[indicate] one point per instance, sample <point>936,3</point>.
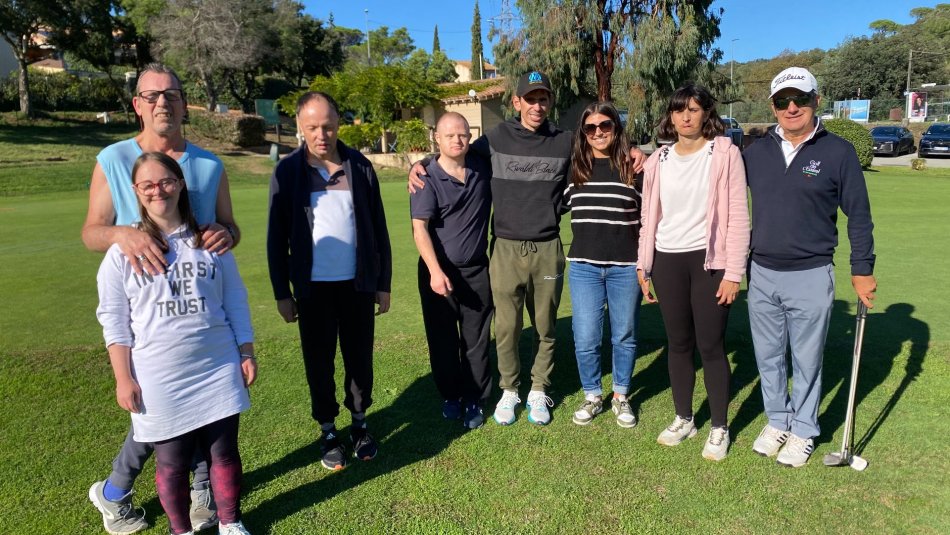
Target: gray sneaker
<point>678,431</point>
<point>769,441</point>
<point>204,513</point>
<point>796,451</point>
<point>121,517</point>
<point>592,406</point>
<point>505,410</point>
<point>625,416</point>
<point>538,403</point>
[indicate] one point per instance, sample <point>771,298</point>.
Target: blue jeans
<point>592,287</point>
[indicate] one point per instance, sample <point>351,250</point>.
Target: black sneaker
<point>334,458</point>
<point>364,447</point>
<point>452,409</point>
<point>474,415</point>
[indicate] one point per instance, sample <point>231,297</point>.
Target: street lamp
<point>368,56</point>
<point>732,64</point>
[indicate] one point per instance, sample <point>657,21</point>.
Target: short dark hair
<point>310,96</point>
<point>712,125</point>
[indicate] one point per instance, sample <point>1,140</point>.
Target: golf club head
<point>858,463</point>
<point>835,459</point>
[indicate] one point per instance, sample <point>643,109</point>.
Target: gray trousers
<point>128,464</point>
<point>791,308</point>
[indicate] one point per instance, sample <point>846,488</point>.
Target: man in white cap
<point>799,175</point>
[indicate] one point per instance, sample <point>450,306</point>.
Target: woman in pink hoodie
<point>693,246</point>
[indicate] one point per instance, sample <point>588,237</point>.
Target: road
<point>904,161</point>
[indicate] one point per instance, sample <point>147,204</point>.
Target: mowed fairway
<point>60,426</point>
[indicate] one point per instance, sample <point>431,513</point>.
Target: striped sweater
<point>605,218</point>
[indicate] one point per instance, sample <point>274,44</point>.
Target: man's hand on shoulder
<point>143,252</point>
<point>415,181</point>
<point>637,158</point>
<point>216,238</point>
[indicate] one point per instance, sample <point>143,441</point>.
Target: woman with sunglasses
<point>605,220</point>
<point>181,347</point>
<point>693,248</point>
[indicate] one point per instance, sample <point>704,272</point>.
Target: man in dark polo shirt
<point>450,227</point>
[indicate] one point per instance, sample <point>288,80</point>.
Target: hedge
<point>359,136</point>
<point>241,130</point>
<point>411,135</point>
<point>61,92</point>
<point>857,135</point>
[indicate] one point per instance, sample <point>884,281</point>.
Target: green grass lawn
<point>60,426</point>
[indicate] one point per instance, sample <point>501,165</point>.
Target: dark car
<point>733,130</point>
<point>892,140</point>
<point>935,141</point>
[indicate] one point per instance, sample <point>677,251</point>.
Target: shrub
<point>857,135</point>
<point>359,136</point>
<point>411,135</point>
<point>241,130</point>
<point>61,92</point>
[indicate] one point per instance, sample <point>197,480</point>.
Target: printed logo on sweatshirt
<point>812,169</point>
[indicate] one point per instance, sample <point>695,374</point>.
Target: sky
<point>764,28</point>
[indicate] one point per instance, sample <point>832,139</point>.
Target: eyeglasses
<point>604,126</point>
<point>147,187</point>
<point>799,100</point>
<point>171,95</point>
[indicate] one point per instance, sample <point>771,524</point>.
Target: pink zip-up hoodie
<point>727,212</point>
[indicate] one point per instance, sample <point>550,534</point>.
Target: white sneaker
<point>624,412</point>
<point>505,410</point>
<point>796,451</point>
<point>236,528</point>
<point>717,445</point>
<point>678,431</point>
<point>769,441</point>
<point>121,517</point>
<point>592,406</point>
<point>538,403</point>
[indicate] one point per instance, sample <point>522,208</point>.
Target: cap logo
<point>786,78</point>
<point>534,78</point>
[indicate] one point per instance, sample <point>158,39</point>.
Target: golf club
<point>845,457</point>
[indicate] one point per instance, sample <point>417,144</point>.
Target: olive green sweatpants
<point>526,273</point>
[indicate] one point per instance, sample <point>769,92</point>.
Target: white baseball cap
<point>796,77</point>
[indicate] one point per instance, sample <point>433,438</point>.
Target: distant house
<point>49,65</point>
<point>482,111</point>
<point>464,71</point>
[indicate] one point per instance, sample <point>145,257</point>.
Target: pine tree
<point>435,39</point>
<point>477,51</point>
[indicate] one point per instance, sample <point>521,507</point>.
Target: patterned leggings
<point>173,459</point>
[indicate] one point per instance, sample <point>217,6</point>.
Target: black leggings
<point>219,442</point>
<point>693,320</point>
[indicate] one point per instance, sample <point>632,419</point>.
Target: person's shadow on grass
<point>407,432</point>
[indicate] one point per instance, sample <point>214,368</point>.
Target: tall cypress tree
<point>435,39</point>
<point>476,44</point>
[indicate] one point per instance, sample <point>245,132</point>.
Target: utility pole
<point>731,85</point>
<point>368,55</point>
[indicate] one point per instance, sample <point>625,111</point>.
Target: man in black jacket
<point>327,238</point>
<point>799,175</point>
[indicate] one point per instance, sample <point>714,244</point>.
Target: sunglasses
<point>168,185</point>
<point>604,126</point>
<point>171,95</point>
<point>799,100</point>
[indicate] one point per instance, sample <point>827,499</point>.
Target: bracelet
<point>246,356</point>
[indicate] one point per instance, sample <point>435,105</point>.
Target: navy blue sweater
<point>795,208</point>
<point>290,235</point>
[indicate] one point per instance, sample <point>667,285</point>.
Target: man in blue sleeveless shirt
<point>160,105</point>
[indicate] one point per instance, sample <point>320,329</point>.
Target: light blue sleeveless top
<point>202,175</point>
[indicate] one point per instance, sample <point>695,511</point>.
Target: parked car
<point>935,141</point>
<point>892,140</point>
<point>733,130</point>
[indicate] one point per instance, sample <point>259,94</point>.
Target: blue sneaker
<point>452,409</point>
<point>538,403</point>
<point>474,415</point>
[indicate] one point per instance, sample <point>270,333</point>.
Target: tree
<point>884,26</point>
<point>306,48</point>
<point>19,22</point>
<point>205,38</point>
<point>477,50</point>
<point>435,39</point>
<point>385,48</point>
<point>580,43</point>
<point>435,68</point>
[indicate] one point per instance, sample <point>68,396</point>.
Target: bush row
<point>61,92</point>
<point>236,129</point>
<point>857,135</point>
